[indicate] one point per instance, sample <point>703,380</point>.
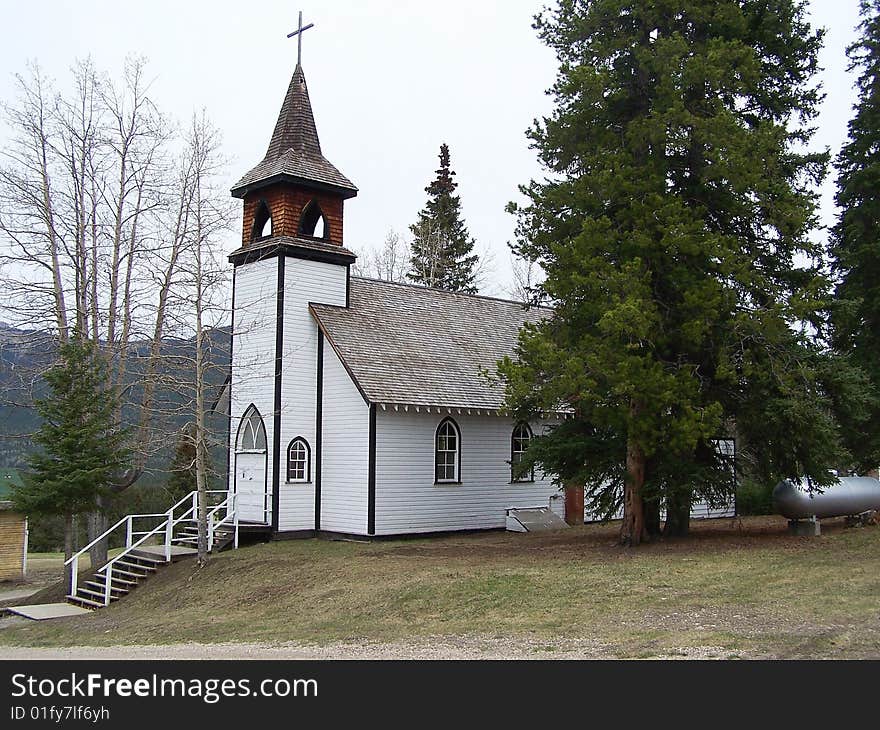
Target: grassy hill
<point>739,588</point>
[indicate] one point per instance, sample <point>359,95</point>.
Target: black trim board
<point>230,465</point>
<point>331,535</point>
<point>319,423</point>
<point>271,250</point>
<point>294,535</point>
<point>276,416</point>
<point>371,475</point>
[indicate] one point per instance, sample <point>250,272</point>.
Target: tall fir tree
<point>81,443</point>
<point>672,228</point>
<point>442,248</point>
<point>856,241</point>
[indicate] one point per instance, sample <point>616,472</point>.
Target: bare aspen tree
<point>92,227</point>
<point>527,276</point>
<point>389,263</point>
<point>198,302</point>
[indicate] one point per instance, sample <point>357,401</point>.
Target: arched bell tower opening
<point>313,223</point>
<point>262,227</point>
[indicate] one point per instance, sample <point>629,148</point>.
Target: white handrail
<point>167,525</point>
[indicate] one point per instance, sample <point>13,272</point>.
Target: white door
<point>251,500</point>
<point>251,489</point>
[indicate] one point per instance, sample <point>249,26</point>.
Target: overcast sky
<point>389,81</point>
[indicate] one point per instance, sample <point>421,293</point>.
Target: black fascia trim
<point>319,422</point>
<point>276,418</point>
<point>371,475</point>
<point>344,192</point>
<point>260,253</point>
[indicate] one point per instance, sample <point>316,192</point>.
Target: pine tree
<point>81,445</point>
<point>672,227</point>
<point>442,248</point>
<point>855,241</point>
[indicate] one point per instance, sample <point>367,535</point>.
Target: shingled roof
<point>295,152</point>
<point>409,345</point>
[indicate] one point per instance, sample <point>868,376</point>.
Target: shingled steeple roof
<point>294,153</point>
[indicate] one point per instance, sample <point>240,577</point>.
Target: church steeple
<point>295,190</point>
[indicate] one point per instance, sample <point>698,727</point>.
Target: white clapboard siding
<point>407,500</point>
<point>345,446</point>
<point>253,350</point>
<point>304,282</point>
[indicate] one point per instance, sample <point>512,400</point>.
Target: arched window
<point>447,453</point>
<point>299,461</point>
<point>262,222</point>
<point>251,433</point>
<point>519,442</point>
<point>313,223</point>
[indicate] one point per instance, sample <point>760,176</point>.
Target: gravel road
<point>440,648</point>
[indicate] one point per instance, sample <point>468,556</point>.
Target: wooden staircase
<point>147,550</point>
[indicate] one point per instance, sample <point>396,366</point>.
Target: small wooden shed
<point>13,530</point>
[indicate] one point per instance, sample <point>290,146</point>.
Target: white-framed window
<point>299,462</point>
<point>251,432</point>
<point>519,442</point>
<point>447,453</point>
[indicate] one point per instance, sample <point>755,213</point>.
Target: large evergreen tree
<point>856,238</point>
<point>442,248</point>
<point>673,229</point>
<point>80,443</point>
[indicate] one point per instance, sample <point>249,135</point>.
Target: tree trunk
<point>96,524</point>
<point>652,517</point>
<point>678,514</point>
<point>574,504</point>
<point>69,542</point>
<point>633,528</point>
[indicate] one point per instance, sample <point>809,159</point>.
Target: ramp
<point>533,519</point>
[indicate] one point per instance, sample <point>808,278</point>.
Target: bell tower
<point>295,192</point>
<point>292,256</point>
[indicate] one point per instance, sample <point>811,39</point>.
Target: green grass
<point>756,592</point>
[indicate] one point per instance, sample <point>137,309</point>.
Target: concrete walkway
<point>43,611</point>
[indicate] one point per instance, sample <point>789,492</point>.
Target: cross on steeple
<point>299,39</point>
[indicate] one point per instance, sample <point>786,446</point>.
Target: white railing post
<point>74,574</point>
<point>210,535</point>
<point>235,521</point>
<point>169,532</point>
<point>109,584</point>
<point>128,530</point>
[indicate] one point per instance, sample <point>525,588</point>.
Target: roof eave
<point>242,189</point>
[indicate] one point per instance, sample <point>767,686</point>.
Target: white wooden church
<point>358,407</point>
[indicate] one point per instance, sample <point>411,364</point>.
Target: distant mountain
<point>24,354</point>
